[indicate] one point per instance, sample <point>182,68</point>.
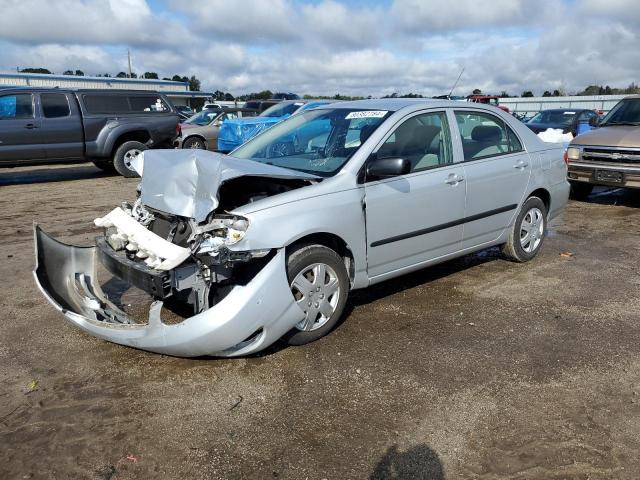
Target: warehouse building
<point>178,92</point>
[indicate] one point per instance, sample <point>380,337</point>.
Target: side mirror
<point>594,121</point>
<point>387,167</point>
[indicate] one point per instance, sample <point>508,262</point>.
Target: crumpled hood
<point>186,182</point>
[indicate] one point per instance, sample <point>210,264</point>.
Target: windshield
<point>626,112</point>
<point>202,118</point>
<point>281,109</point>
<point>316,141</point>
<point>556,117</point>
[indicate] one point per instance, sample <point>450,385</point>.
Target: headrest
<point>486,133</point>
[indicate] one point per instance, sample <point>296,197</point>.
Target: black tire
<point>122,157</point>
<point>514,248</point>
<point>195,143</point>
<point>580,190</point>
<point>302,258</point>
<point>106,165</point>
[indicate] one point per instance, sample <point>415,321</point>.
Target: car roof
<point>82,90</point>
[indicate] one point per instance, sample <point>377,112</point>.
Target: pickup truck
<point>608,155</point>
<point>107,127</point>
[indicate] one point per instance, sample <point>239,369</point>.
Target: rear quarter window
<point>147,103</point>
<point>106,103</point>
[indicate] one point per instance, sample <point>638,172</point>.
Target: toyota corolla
<point>267,244</point>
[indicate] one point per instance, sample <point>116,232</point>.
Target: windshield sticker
<point>367,114</point>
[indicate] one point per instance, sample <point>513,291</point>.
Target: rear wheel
<point>124,155</point>
<point>194,142</point>
<point>580,190</point>
<point>528,231</point>
<point>320,286</point>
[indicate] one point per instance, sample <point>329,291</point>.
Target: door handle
<point>453,179</point>
<point>30,126</point>
<point>521,165</point>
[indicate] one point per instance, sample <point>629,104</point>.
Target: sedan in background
<point>236,132</point>
<point>201,130</point>
<point>563,119</point>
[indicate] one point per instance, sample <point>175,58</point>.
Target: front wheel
<point>320,286</point>
<point>124,156</point>
<point>195,143</point>
<point>527,232</point>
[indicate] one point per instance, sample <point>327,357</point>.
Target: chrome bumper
<point>584,172</point>
<point>248,319</point>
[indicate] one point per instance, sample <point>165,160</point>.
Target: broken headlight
<point>223,230</point>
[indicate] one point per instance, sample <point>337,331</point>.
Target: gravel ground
<point>478,368</point>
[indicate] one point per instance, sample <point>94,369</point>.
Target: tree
<point>527,93</point>
<point>557,93</point>
<point>218,95</point>
<point>150,75</point>
<point>121,75</point>
<point>35,70</point>
<point>504,94</point>
<point>228,97</point>
<point>194,84</point>
<point>134,75</point>
<point>477,91</point>
<point>79,73</point>
<point>68,72</point>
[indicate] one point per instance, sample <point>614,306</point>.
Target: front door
<point>414,218</point>
<point>20,137</point>
<point>497,171</point>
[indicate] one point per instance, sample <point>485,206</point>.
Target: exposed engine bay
<point>185,262</point>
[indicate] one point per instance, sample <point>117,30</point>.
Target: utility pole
<point>129,59</point>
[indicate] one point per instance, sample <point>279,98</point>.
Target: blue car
<point>234,133</point>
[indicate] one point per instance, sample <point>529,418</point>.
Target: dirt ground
<point>478,368</point>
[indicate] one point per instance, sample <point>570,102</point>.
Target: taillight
<point>178,130</point>
<point>566,157</point>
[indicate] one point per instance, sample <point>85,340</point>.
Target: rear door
<point>497,171</point>
<point>20,137</point>
<point>417,217</point>
<point>61,127</point>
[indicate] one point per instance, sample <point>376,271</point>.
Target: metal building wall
<point>533,105</point>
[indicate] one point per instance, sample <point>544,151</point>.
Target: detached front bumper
<point>247,320</point>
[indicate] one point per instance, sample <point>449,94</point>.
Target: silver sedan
<point>267,243</point>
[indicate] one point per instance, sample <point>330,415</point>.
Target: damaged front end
<point>236,302</point>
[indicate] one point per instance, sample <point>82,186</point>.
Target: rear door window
<point>54,105</point>
<point>485,135</point>
<point>16,106</point>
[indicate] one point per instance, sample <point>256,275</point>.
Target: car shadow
<point>417,463</point>
<point>625,197</point>
<point>48,174</point>
<point>396,285</point>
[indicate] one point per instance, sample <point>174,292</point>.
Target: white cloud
<point>328,46</point>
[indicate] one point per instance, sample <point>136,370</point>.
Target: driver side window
<point>424,140</point>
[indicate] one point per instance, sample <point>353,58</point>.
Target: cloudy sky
<point>354,47</point>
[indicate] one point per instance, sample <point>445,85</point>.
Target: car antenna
<point>456,83</point>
